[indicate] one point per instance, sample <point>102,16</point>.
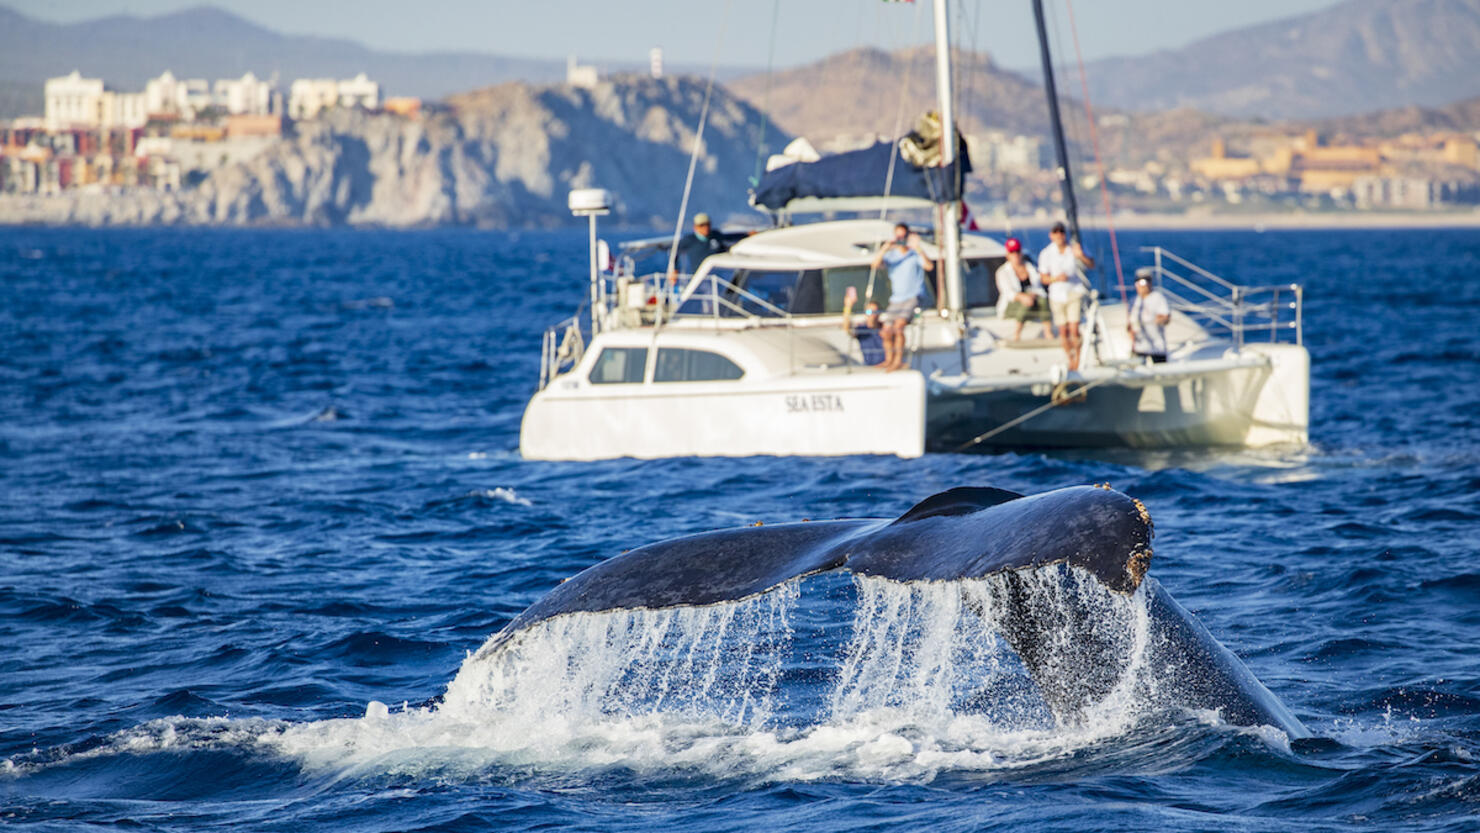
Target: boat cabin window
<point>808,291</point>
<point>775,288</point>
<point>619,365</point>
<point>838,280</point>
<point>979,280</point>
<point>679,365</point>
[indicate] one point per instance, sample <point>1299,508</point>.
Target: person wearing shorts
<point>1020,295</point>
<point>1059,265</point>
<point>907,264</point>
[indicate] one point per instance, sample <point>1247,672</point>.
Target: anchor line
<point>1019,420</point>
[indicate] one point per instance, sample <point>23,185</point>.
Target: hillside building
<point>72,101</point>
<point>181,98</point>
<point>998,152</point>
<point>584,76</point>
<point>77,103</point>
<point>1218,165</point>
<point>308,97</point>
<point>1414,192</point>
<point>360,92</point>
<point>246,96</point>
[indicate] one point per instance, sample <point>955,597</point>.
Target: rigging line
<point>683,205</point>
<point>1074,128</point>
<point>760,141</point>
<point>1094,135</point>
<point>904,94</point>
<point>1053,402</point>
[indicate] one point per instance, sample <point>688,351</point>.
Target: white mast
<point>950,249</point>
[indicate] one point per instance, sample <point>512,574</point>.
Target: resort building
<point>308,97</point>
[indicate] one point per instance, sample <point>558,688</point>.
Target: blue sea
<point>261,504</point>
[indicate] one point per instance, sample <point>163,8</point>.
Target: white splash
<point>504,494</point>
<point>920,682</point>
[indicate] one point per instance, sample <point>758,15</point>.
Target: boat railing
<point>714,297</point>
<point>561,349</point>
<point>719,298</point>
<point>1273,313</point>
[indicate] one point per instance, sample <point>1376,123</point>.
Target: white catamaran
<point>759,352</point>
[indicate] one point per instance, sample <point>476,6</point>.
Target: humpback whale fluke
<point>959,534</point>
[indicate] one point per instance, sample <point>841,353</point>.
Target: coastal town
<point>167,136</point>
<point>175,132</point>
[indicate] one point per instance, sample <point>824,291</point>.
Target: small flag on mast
<point>968,220</point>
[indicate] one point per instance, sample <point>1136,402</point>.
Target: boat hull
<point>1249,406</point>
<point>866,412</point>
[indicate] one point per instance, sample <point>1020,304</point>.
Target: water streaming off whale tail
<point>835,676</point>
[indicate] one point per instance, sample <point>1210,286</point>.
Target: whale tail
<point>1085,535</point>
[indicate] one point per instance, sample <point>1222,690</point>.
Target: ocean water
<point>261,504</point>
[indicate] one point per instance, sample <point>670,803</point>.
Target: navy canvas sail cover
<point>862,173</point>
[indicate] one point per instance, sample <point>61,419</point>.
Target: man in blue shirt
<point>693,248</point>
<point>907,267</point>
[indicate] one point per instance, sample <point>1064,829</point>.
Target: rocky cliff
<point>503,156</point>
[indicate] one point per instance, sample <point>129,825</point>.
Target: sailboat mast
<point>950,231</point>
<point>1066,179</point>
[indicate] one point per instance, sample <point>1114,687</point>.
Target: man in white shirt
<point>1020,295</point>
<point>1149,316</point>
<point>1059,265</point>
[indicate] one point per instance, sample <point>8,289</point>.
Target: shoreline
<point>147,209</point>
<point>1267,221</point>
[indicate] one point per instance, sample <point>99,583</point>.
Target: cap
<point>701,219</point>
<point>1146,279</point>
<point>1058,227</point>
<point>1014,245</point>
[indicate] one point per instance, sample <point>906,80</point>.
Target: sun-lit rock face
<point>504,156</point>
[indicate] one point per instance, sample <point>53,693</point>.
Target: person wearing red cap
<point>1020,294</point>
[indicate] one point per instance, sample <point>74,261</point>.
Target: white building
<point>359,92</point>
<point>655,62</point>
<point>122,110</point>
<point>73,101</point>
<point>580,75</point>
<point>308,97</point>
<point>246,96</point>
<point>1020,155</point>
<point>76,102</point>
<point>183,97</point>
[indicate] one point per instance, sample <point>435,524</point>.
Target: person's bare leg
<point>885,338</point>
<point>898,346</point>
<point>1071,343</point>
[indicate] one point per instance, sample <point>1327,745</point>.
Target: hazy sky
<point>689,32</point>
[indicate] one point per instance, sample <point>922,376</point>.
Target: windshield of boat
<point>979,280</point>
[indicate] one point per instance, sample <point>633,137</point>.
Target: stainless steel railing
<point>1271,313</point>
<point>560,349</point>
